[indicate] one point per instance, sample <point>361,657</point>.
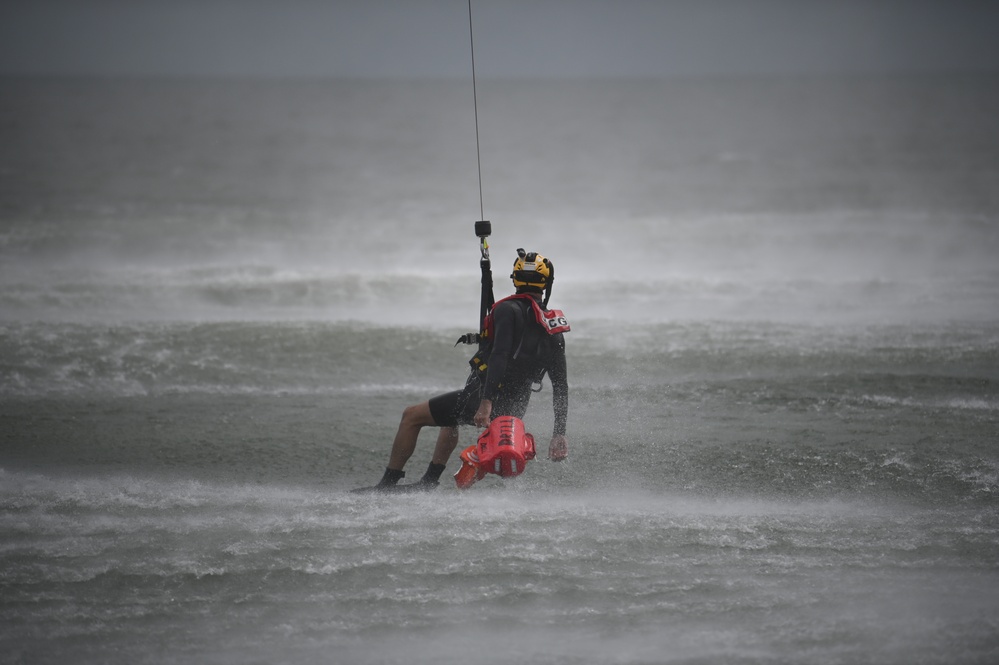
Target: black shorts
<point>458,407</point>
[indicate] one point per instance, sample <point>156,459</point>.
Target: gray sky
<point>406,38</point>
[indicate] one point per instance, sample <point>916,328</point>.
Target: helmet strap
<point>548,283</point>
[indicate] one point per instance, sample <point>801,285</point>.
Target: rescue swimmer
<point>521,341</point>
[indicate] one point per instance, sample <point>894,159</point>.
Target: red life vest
<point>553,320</point>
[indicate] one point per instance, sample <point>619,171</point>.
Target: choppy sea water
<point>783,371</point>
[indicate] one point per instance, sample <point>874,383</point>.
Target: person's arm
<point>558,450</point>
<point>484,414</point>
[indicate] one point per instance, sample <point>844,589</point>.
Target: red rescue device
<point>504,449</point>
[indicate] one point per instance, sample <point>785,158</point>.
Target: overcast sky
<point>406,38</point>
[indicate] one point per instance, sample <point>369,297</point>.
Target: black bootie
<point>391,477</point>
<point>387,483</point>
<point>429,481</point>
<point>433,474</point>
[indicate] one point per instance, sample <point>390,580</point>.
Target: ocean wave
<point>964,403</point>
<point>328,357</point>
<point>260,358</point>
<point>233,293</point>
<point>442,296</point>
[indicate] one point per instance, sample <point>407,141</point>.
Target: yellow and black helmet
<point>532,272</point>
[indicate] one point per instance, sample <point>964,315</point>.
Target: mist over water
<point>839,199</point>
<point>216,297</point>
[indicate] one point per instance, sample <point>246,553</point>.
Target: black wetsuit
<point>520,353</point>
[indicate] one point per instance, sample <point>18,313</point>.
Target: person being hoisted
<point>521,340</point>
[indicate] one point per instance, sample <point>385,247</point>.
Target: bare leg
<point>414,418</point>
<point>447,439</point>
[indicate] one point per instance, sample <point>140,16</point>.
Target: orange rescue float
<point>504,449</point>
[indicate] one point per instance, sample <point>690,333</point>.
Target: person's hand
<point>558,449</point>
<point>484,413</point>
